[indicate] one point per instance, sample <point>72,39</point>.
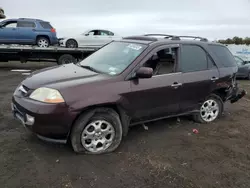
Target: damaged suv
<point>135,80</point>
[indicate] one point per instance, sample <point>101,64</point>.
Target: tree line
<point>236,40</point>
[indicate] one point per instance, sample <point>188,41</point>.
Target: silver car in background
<point>90,38</point>
<point>243,67</point>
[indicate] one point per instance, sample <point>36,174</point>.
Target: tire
<point>42,42</point>
<point>248,77</point>
<point>88,123</point>
<point>66,59</point>
<point>216,102</point>
<point>71,43</point>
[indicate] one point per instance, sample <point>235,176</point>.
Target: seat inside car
<point>165,63</point>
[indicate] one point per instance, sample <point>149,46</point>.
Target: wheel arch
<point>221,92</point>
<point>45,36</point>
<point>125,119</point>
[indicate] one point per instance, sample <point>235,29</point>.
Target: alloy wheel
<point>209,110</point>
<point>97,136</point>
<point>43,43</point>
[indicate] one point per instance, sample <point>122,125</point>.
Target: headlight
<point>47,95</point>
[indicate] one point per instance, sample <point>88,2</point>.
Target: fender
<point>118,103</point>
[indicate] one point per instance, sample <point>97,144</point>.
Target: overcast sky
<point>213,19</point>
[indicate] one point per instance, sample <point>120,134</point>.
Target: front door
<point>8,33</point>
<point>157,96</point>
<point>200,76</point>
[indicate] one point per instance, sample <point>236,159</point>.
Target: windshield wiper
<point>89,68</point>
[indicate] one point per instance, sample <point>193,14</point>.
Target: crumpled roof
<point>2,16</point>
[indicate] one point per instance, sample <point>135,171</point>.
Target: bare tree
<point>2,16</point>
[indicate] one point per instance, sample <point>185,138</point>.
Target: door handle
<point>176,84</point>
<point>214,78</point>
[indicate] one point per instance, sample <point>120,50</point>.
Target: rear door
<point>200,76</point>
<point>26,33</point>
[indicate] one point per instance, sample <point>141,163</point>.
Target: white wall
<point>240,50</point>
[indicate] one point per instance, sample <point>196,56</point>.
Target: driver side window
<point>10,25</point>
<point>94,32</point>
<point>163,61</point>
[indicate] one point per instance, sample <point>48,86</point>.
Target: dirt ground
<point>166,155</point>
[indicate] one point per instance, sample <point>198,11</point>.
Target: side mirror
<point>86,34</point>
<point>144,72</point>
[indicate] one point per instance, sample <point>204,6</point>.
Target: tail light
<point>53,30</point>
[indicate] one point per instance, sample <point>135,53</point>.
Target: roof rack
<point>140,38</point>
<point>176,37</point>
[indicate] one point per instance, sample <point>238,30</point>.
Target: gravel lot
<point>166,155</point>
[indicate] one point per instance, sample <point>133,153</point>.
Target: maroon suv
<point>132,81</point>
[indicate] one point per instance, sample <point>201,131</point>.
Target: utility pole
<point>2,16</point>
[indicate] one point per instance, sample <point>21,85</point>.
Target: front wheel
<point>71,43</point>
<point>97,132</point>
<point>210,110</point>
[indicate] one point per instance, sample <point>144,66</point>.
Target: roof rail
<point>140,38</point>
<point>176,37</point>
<point>163,35</point>
<point>195,37</point>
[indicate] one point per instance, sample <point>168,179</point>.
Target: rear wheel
<point>210,110</point>
<point>97,132</point>
<point>71,43</point>
<point>248,77</point>
<point>42,42</point>
<point>66,59</point>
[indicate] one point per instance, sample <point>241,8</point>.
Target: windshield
<point>244,58</point>
<point>113,58</point>
<point>241,60</point>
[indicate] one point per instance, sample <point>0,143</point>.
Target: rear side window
<point>193,58</point>
<point>46,25</point>
<point>224,55</point>
<point>26,24</point>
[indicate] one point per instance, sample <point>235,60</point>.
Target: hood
<point>61,76</point>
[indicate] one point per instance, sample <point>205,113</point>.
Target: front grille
<point>18,113</point>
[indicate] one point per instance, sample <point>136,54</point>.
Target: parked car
<point>243,67</point>
<point>135,80</point>
<point>90,38</point>
<point>27,31</point>
<point>2,16</point>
